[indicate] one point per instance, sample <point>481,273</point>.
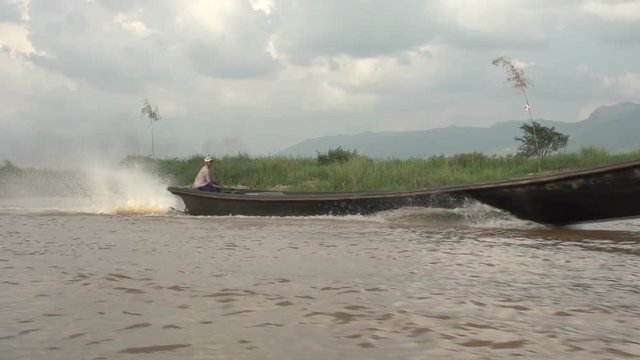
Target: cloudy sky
<point>257,76</point>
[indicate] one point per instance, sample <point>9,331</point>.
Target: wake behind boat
<point>562,198</point>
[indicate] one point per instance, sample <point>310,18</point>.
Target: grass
<point>356,173</point>
<point>362,173</point>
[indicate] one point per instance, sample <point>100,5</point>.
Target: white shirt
<point>203,178</point>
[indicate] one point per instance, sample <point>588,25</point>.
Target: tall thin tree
<point>153,114</point>
<point>518,81</point>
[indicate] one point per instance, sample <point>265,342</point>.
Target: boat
<point>560,198</point>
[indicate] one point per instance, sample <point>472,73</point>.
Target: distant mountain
<point>615,128</point>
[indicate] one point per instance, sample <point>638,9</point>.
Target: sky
<point>257,76</point>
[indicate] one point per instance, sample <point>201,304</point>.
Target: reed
<point>362,173</point>
<point>357,173</point>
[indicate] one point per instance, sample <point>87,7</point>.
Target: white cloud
<point>522,64</point>
<point>266,6</point>
<point>493,18</point>
<point>131,23</point>
<point>328,97</point>
<point>627,85</point>
<point>311,29</point>
<point>24,81</point>
<point>268,73</point>
<point>273,51</point>
<point>582,70</point>
<point>14,37</point>
<point>407,71</point>
<point>625,11</point>
<point>212,17</point>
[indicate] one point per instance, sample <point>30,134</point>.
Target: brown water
<point>410,284</point>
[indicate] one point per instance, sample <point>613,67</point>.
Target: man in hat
<point>203,180</point>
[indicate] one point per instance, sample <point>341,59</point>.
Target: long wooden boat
<point>560,198</point>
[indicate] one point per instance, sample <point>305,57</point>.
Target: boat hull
<point>584,195</point>
<point>301,204</point>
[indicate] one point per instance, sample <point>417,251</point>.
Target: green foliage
<point>338,155</point>
<point>361,173</point>
<point>181,172</point>
<point>594,152</point>
<point>539,140</point>
<point>305,174</point>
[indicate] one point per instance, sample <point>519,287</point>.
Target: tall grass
<point>362,173</point>
<point>357,173</point>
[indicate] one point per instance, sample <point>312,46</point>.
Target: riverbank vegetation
<point>335,170</point>
<point>344,170</point>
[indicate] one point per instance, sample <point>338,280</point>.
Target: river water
<point>473,283</point>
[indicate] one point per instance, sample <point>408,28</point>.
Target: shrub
<point>338,155</point>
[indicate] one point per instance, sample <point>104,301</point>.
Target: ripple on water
<point>153,349</point>
<point>317,288</point>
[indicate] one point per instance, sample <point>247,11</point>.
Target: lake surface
<point>84,283</point>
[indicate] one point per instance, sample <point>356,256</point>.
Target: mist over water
<point>97,189</point>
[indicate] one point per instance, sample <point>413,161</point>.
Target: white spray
<point>127,190</point>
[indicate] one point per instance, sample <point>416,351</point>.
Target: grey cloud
<point>623,34</point>
<point>73,46</point>
<point>119,67</point>
<point>83,42</point>
<point>124,5</point>
<point>9,12</point>
<point>239,52</point>
<point>309,29</point>
<point>478,42</point>
<point>184,67</point>
<point>68,127</point>
<point>213,60</point>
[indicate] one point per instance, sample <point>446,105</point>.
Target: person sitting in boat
<point>203,181</point>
